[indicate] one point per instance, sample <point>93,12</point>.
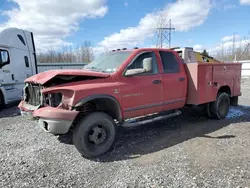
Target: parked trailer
<point>245,72</point>
<point>41,67</point>
<point>245,68</point>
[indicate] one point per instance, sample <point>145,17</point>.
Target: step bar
<point>158,118</point>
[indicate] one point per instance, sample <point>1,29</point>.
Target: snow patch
<point>244,106</point>
<point>233,113</point>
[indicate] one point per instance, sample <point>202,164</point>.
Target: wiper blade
<point>95,69</point>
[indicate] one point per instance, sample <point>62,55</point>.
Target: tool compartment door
<point>200,83</point>
<point>206,92</point>
<point>227,75</point>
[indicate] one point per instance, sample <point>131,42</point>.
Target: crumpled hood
<point>44,77</point>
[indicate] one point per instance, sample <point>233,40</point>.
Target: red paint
<point>217,74</point>
<point>50,113</point>
<point>55,113</point>
<point>44,77</point>
<point>170,94</point>
<point>173,88</point>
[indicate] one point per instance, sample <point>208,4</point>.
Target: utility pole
<point>164,34</point>
<point>233,51</point>
<point>222,52</point>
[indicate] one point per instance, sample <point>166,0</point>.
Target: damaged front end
<point>34,96</point>
<point>48,107</point>
<point>48,99</point>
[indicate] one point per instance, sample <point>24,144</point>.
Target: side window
<point>146,61</point>
<point>26,61</point>
<point>4,58</point>
<point>21,39</point>
<point>170,63</point>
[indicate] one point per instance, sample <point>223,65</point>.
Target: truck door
<point>174,81</point>
<point>20,70</point>
<point>7,79</point>
<point>142,93</point>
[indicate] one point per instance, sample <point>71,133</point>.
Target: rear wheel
<point>207,109</point>
<point>94,135</point>
<point>219,108</point>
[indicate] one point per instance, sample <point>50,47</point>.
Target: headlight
<point>57,97</point>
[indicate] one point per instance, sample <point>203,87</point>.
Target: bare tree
<point>241,51</point>
<point>87,52</point>
<point>83,53</point>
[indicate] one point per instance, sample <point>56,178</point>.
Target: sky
<point>112,24</point>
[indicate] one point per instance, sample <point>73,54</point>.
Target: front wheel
<point>219,108</point>
<point>94,135</point>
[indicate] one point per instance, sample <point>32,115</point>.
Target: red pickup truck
<point>127,88</point>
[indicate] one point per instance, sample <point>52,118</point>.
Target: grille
<point>33,95</point>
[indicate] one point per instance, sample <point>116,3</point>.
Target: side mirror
<point>147,68</point>
<point>148,64</point>
<point>4,58</point>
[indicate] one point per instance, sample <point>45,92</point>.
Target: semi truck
<point>18,61</point>
<point>128,87</point>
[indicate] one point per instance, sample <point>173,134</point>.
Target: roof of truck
<point>140,49</point>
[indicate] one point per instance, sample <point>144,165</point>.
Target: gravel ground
<point>174,153</point>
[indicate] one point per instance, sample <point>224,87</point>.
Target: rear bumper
<point>51,120</point>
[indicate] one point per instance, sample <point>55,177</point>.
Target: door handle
<point>181,79</point>
<point>12,76</point>
<point>156,82</point>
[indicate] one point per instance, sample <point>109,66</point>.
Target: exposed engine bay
<point>64,79</point>
<point>34,96</point>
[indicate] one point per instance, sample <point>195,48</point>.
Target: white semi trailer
<point>18,62</point>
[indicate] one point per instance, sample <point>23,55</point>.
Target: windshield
<point>108,62</point>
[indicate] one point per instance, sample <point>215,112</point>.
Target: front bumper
<point>51,120</point>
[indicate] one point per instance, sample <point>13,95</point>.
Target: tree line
<point>81,54</point>
<point>240,53</point>
<point>84,54</point>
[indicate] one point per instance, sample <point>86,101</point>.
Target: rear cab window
<point>169,62</point>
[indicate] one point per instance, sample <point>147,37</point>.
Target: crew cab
<point>128,88</point>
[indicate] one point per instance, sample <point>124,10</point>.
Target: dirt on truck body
<point>128,88</point>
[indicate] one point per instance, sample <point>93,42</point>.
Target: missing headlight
<point>53,99</point>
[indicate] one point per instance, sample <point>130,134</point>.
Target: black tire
<point>219,108</point>
<point>207,108</point>
<point>2,105</point>
<point>94,135</point>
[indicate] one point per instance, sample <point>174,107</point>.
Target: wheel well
<point>225,89</point>
<point>106,105</point>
